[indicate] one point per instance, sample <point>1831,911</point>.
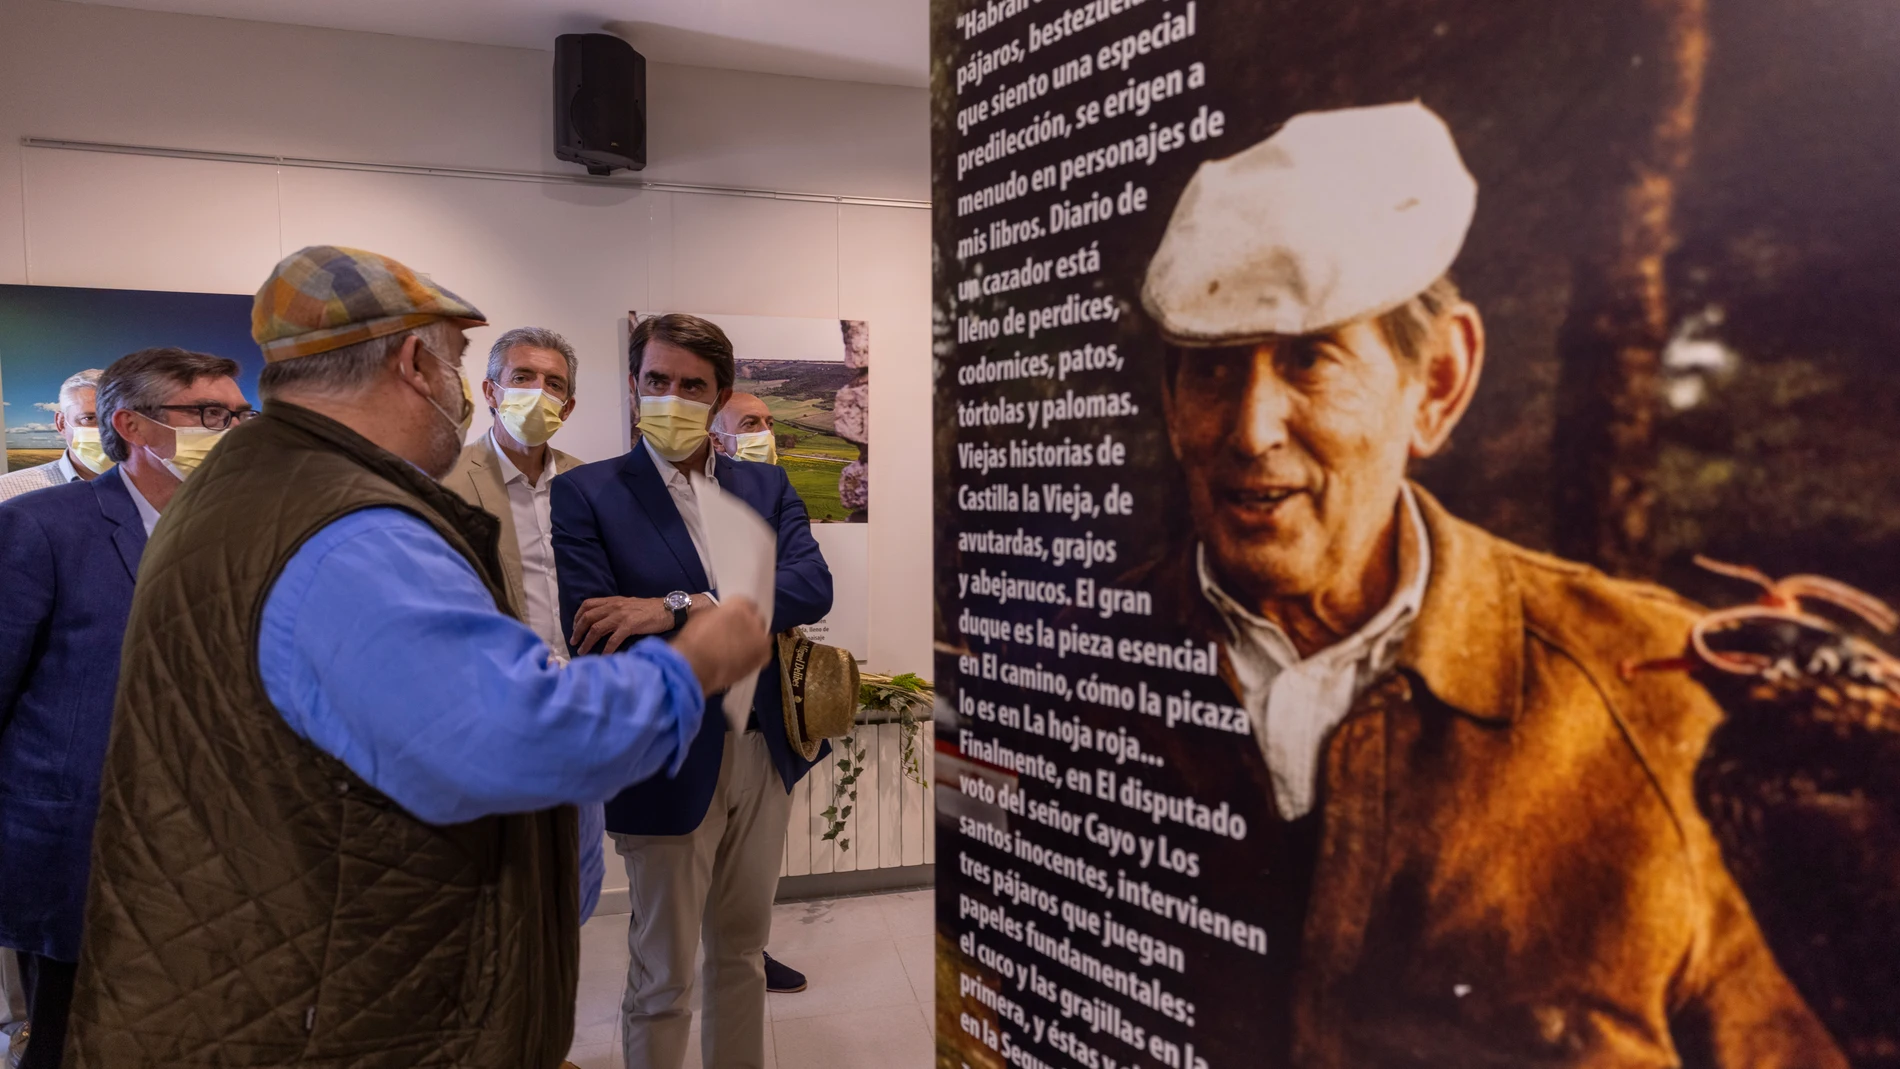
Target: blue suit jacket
<point>68,556</point>
<point>618,533</point>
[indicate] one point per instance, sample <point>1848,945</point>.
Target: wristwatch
<point>679,601</point>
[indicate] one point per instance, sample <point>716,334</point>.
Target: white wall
<point>569,257</point>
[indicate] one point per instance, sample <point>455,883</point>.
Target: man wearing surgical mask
<point>340,764</point>
<point>743,430</point>
<point>702,848</point>
<point>76,422</point>
<point>529,390</point>
<point>70,554</point>
<point>159,428</point>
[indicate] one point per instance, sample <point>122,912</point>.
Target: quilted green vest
<point>255,903</point>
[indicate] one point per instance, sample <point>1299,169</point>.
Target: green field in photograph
<point>817,483</point>
<point>811,444</point>
<point>815,412</point>
<point>30,458</point>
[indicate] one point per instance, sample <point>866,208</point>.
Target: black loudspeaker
<point>600,102</point>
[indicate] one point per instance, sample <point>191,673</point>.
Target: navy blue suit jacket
<point>68,557</point>
<point>617,533</point>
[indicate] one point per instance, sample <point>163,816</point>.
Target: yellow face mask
<point>194,444</point>
<point>675,426</point>
<point>760,446</point>
<point>468,399</point>
<point>530,416</point>
<point>468,405</point>
<point>88,450</point>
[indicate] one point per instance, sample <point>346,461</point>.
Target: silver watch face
<point>678,600</point>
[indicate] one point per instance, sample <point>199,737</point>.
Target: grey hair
<point>84,380</point>
<point>140,381</point>
<point>539,338</point>
<point>1408,328</point>
<point>341,372</point>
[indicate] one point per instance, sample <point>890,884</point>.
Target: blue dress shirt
<point>380,645</point>
<point>593,825</point>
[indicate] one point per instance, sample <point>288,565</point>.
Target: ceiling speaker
<point>600,103</point>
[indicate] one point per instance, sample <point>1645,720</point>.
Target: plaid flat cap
<point>324,297</point>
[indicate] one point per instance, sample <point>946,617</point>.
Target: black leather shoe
<point>782,978</point>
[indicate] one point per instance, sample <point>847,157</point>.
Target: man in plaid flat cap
<point>336,825</point>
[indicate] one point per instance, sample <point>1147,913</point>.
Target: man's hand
<point>615,620</point>
<point>725,643</point>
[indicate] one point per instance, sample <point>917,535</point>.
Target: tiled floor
<point>869,961</point>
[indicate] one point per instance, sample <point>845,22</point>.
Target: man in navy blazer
<point>702,848</point>
<point>68,558</point>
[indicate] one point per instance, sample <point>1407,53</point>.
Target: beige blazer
<point>478,479</point>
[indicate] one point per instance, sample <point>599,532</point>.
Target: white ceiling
<point>885,41</point>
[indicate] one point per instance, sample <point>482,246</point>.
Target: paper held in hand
<point>744,552</point>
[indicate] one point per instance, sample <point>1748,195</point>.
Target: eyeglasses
<point>214,417</point>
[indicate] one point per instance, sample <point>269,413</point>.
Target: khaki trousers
<point>716,885</point>
<point>12,992</point>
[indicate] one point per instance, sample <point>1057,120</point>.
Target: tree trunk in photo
<point>1610,347</point>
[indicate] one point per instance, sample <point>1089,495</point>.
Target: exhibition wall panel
<point>882,280</point>
<point>762,257</point>
<point>144,223</point>
<point>798,134</point>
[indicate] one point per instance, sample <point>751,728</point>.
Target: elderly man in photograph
<point>77,424</point>
<point>1490,834</point>
<point>336,825</point>
<point>703,847</point>
<point>70,555</point>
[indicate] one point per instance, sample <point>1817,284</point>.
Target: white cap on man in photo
<point>1338,216</point>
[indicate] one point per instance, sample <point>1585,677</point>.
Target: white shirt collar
<point>509,472</point>
<point>67,471</point>
<point>1404,604</point>
<point>672,474</point>
<point>147,514</point>
<point>1295,702</point>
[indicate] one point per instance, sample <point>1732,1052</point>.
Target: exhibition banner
<point>1416,533</point>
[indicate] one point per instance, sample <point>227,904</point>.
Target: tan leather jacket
<point>1512,869</point>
